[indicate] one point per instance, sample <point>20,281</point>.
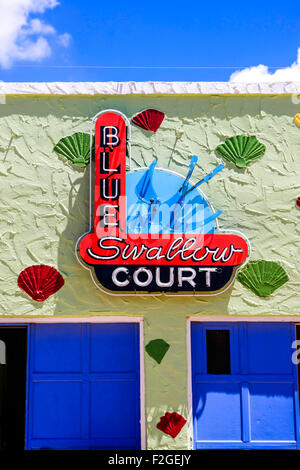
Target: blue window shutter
<point>84,386</point>
<point>256,406</point>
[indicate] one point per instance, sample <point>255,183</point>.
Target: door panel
<point>113,419</point>
<point>56,409</point>
<point>217,405</point>
<point>269,348</point>
<point>272,418</point>
<point>84,386</point>
<point>256,404</point>
<point>117,346</point>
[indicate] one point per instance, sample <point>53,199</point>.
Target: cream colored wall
<point>44,208</point>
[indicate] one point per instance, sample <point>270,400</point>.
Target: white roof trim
<point>147,88</point>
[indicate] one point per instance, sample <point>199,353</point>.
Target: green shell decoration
<point>76,148</point>
<point>157,349</point>
<point>241,150</point>
<point>262,277</point>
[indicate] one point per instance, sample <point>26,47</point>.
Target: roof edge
<point>148,88</point>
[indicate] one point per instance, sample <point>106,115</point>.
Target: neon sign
<point>152,230</point>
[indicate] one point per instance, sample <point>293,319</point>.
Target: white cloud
<point>64,39</point>
<point>36,26</point>
<point>21,36</point>
<point>261,73</point>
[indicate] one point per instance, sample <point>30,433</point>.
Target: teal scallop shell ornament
<point>241,150</point>
<point>263,277</point>
<point>76,148</point>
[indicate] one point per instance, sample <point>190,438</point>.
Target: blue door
<point>84,386</point>
<point>244,386</point>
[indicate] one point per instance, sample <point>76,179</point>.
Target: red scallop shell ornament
<point>149,119</point>
<point>298,201</point>
<point>40,281</point>
<point>171,423</point>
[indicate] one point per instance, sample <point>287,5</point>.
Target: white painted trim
<point>215,319</point>
<point>189,385</point>
<point>148,88</point>
<point>142,388</point>
<point>100,319</point>
<point>248,318</point>
<point>71,319</point>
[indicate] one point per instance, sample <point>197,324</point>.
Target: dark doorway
<point>13,350</point>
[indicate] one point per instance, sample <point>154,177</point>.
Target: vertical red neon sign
<point>110,175</point>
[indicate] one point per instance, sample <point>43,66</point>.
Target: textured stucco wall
<point>44,208</point>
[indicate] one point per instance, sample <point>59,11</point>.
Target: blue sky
<point>39,34</point>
